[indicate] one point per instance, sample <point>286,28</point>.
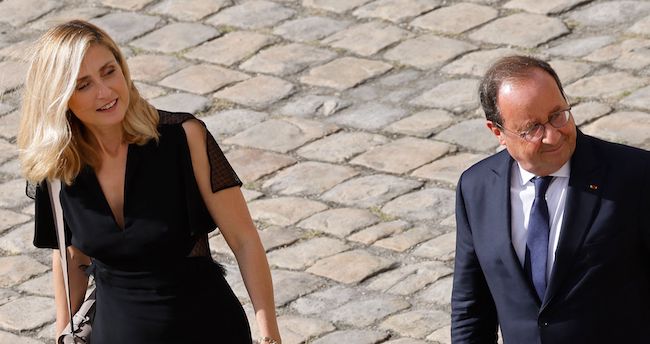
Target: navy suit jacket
<point>599,287</point>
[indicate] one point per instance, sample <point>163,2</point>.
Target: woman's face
<point>101,96</point>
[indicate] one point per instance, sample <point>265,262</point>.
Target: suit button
<point>543,324</point>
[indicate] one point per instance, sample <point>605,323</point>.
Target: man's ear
<point>497,132</point>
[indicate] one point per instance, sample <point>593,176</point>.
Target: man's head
<point>525,107</point>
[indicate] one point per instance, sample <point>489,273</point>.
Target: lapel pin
<point>593,186</point>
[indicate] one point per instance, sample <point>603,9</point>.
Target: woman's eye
<point>82,86</point>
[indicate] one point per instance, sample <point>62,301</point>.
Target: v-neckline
<point>107,205</point>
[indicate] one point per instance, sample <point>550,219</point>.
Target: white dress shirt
<point>522,194</point>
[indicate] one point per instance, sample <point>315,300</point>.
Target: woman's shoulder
<point>173,118</point>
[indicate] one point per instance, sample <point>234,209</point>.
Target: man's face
<point>524,103</point>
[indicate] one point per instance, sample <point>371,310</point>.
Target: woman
<point>142,190</point>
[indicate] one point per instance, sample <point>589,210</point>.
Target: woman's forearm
<point>78,286</point>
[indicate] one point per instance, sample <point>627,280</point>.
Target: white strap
<point>54,189</point>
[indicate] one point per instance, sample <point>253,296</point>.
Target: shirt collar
<point>525,176</point>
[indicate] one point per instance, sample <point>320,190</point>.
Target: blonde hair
<point>53,143</point>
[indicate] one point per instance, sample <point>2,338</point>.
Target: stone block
<point>312,105</point>
<point>456,96</point>
<point>638,99</point>
<point>370,116</point>
<point>341,146</point>
<point>455,19</point>
<point>448,169</point>
<point>402,155</point>
<point>7,295</point>
<point>284,211</point>
<point>230,122</point>
<point>345,73</point>
<point>7,337</point>
<point>125,26</point>
<point>428,51</point>
<point>27,313</point>
<point>570,71</point>
<point>428,204</point>
<point>176,37</point>
<point>255,14</point>
<point>231,48</point>
<point>19,240</point>
<point>189,10</point>
<point>609,85</point>
<point>368,38</point>
<point>508,30</point>
<point>409,279</point>
<point>308,178</point>
<point>379,231</point>
<point>370,191</point>
<point>337,6</point>
<point>181,102</point>
<point>472,134</point>
<point>7,150</point>
<point>9,219</point>
<point>297,329</point>
<point>543,7</point>
<point>24,11</point>
<point>610,13</point>
<point>395,10</point>
<point>290,285</point>
<point>438,293</point>
<point>339,222</point>
<point>352,336</point>
<point>581,46</point>
<point>202,78</point>
<point>587,112</point>
<point>129,5</point>
<point>13,74</point>
<point>59,17</point>
<point>405,240</point>
<point>477,63</point>
<point>309,29</point>
<point>642,27</point>
<point>422,124</point>
<point>625,127</point>
<point>324,300</point>
<point>151,68</point>
<point>363,313</point>
<point>17,269</point>
<point>303,254</point>
<point>13,194</point>
<point>9,125</point>
<point>416,323</point>
<point>275,237</point>
<point>252,164</point>
<point>286,59</point>
<point>440,248</point>
<point>258,92</point>
<point>41,285</point>
<point>350,267</point>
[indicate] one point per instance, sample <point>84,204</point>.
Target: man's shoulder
<point>495,163</point>
<point>616,152</point>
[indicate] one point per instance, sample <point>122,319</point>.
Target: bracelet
<point>268,340</point>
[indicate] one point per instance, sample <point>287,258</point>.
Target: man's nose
<point>551,134</point>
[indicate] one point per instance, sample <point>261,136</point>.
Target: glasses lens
<point>559,119</point>
<point>535,133</point>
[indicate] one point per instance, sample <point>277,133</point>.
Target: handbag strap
<point>54,189</point>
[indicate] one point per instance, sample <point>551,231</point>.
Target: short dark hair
<point>508,68</point>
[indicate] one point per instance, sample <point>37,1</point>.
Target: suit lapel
<point>582,203</point>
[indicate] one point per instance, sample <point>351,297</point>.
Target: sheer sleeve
<point>44,229</point>
<point>222,175</point>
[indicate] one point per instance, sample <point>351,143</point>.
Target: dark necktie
<point>537,240</point>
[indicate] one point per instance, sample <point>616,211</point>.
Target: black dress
<point>148,288</point>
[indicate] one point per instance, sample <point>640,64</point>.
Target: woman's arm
<point>78,284</point>
<point>228,209</point>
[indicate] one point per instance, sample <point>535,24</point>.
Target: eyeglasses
<point>535,133</point>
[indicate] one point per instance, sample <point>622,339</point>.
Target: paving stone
<point>41,285</point>
<point>274,237</point>
<point>416,323</point>
<point>455,19</point>
<point>24,11</point>
<point>7,295</point>
<point>297,330</point>
<point>314,105</point>
<point>438,293</point>
<point>125,26</point>
<point>189,10</point>
<point>477,63</point>
<point>456,95</point>
<point>587,112</point>
<point>405,341</point>
<point>448,169</point>
<point>5,108</point>
<point>27,313</point>
<point>231,48</point>
<point>639,99</point>
<point>610,13</point>
<point>250,195</point>
<point>341,146</point>
<point>580,46</point>
<point>635,59</point>
<point>427,204</point>
<point>202,78</point>
<point>642,27</point>
<point>131,5</point>
<point>368,38</point>
<point>350,267</point>
<point>472,134</point>
<point>352,336</point>
<point>7,151</point>
<point>6,337</point>
<point>369,191</point>
<point>181,102</point>
<point>617,50</point>
<point>338,6</point>
<point>440,248</point>
<point>508,30</point>
<point>405,240</point>
<point>369,116</point>
<point>310,28</point>
<point>151,68</point>
<point>12,169</point>
<point>149,92</point>
<point>219,246</point>
<point>17,269</point>
<point>176,37</point>
<point>252,164</point>
<point>308,178</point>
<point>395,10</point>
<point>428,51</point>
<point>339,222</point>
<point>19,240</point>
<point>443,335</point>
<point>402,155</point>
<point>257,92</point>
<point>324,300</point>
<point>13,194</point>
<point>363,313</point>
<point>284,211</point>
<point>625,127</point>
<point>289,285</point>
<point>408,279</point>
<point>286,59</point>
<point>290,133</point>
<point>13,74</point>
<point>543,7</point>
<point>9,125</point>
<point>345,73</point>
<point>570,71</point>
<point>303,254</point>
<point>379,231</point>
<point>47,332</point>
<point>606,85</point>
<point>254,14</point>
<point>230,122</point>
<point>70,13</point>
<point>422,124</point>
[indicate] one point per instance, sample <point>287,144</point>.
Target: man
<point>553,232</point>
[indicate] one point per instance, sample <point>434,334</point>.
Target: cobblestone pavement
<point>350,122</point>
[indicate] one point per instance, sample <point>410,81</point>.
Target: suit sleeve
<point>473,314</point>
